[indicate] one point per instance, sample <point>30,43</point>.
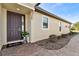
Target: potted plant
<point>24,35</point>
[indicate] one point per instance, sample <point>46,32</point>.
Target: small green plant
<point>24,34</point>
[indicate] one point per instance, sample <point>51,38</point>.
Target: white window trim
<point>59,26</point>
<point>42,23</point>
<point>59,23</point>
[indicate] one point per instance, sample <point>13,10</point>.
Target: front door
<point>14,26</point>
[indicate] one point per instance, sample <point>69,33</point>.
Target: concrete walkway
<point>71,49</point>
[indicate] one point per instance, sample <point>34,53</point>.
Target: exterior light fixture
<point>18,9</point>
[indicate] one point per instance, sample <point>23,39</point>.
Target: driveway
<point>71,49</point>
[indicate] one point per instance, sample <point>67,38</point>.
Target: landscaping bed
<point>56,42</point>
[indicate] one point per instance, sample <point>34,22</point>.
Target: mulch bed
<point>50,45</point>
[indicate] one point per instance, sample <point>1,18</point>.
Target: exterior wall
<point>0,27</point>
<point>64,29</point>
<point>4,26</point>
<point>37,33</point>
<point>28,25</point>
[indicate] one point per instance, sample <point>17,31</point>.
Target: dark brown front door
<point>14,26</point>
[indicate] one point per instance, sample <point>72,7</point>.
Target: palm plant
<point>24,34</point>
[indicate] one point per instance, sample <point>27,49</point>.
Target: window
<point>69,26</point>
<point>23,23</point>
<point>66,26</point>
<point>60,26</point>
<point>45,23</point>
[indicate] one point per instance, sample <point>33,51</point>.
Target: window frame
<point>60,27</point>
<point>43,21</point>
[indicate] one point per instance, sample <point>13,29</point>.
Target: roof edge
<point>39,9</point>
<point>37,4</point>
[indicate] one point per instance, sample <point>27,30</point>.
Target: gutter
<point>37,4</point>
<point>40,10</point>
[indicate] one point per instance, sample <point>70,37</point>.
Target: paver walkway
<point>71,49</point>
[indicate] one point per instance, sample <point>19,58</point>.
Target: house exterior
<point>17,17</point>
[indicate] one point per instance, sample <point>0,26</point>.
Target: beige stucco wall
<point>3,28</point>
<point>28,25</point>
<point>64,29</point>
<point>0,27</point>
<point>37,33</point>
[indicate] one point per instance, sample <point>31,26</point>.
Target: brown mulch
<point>50,45</point>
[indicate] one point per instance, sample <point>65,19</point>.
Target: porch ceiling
<point>16,8</point>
